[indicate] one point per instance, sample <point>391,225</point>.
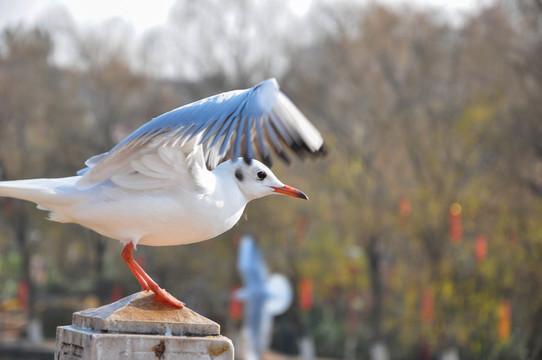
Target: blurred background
<point>423,232</point>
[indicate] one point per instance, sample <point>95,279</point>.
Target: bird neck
<point>226,186</point>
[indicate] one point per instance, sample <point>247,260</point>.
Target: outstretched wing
<point>234,123</point>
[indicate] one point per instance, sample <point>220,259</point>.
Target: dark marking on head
<point>239,174</point>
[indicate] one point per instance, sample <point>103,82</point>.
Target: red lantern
<point>236,306</point>
<point>404,210</point>
<point>301,229</point>
<point>454,222</point>
<point>505,315</point>
<point>513,239</point>
<point>22,294</point>
<point>305,294</point>
<point>480,250</point>
<point>428,306</point>
<point>116,293</point>
<point>7,204</point>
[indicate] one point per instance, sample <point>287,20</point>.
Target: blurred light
<point>90,301</point>
<point>354,252</point>
<point>455,209</point>
<point>448,290</point>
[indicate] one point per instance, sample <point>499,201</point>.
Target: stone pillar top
<point>143,313</point>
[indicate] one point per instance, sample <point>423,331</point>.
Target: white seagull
<point>168,182</point>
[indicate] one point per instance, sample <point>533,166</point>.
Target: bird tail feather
<point>40,191</point>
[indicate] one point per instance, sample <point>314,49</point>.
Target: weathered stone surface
<point>84,344</point>
<point>140,327</point>
<point>142,313</point>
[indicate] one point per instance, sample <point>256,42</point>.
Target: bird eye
<point>261,175</point>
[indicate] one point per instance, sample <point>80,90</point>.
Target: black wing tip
<point>300,151</point>
<point>248,160</point>
<point>304,149</point>
<point>267,161</point>
<point>285,157</point>
<point>322,151</point>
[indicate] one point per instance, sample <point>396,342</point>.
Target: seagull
<point>264,295</point>
<point>183,177</point>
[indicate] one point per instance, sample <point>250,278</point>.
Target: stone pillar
<point>140,327</point>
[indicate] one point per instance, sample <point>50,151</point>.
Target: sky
<point>147,14</point>
<point>135,21</point>
<point>142,14</point>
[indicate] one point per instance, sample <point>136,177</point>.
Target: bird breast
<point>161,219</point>
<point>201,220</point>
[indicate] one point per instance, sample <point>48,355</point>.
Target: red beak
<point>290,191</point>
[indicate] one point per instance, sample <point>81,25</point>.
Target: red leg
<point>128,259</point>
<point>145,280</point>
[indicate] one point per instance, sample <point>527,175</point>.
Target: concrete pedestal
<point>140,327</point>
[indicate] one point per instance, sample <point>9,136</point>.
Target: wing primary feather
<point>232,127</point>
<point>248,153</point>
<point>299,124</point>
<point>211,129</point>
<point>201,128</point>
<point>192,132</point>
<point>225,126</point>
<point>290,127</point>
<point>260,144</point>
<point>179,135</point>
<point>146,138</point>
<point>275,142</point>
<point>143,138</point>
<point>134,144</point>
<point>281,128</point>
<point>289,135</point>
<point>218,129</point>
<point>283,141</point>
<point>181,130</point>
<point>238,135</point>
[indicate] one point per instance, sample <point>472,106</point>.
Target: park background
<point>423,230</point>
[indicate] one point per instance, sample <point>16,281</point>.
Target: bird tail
<point>43,192</point>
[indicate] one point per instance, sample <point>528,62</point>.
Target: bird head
<point>256,180</point>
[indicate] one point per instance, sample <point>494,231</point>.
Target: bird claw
<point>162,295</point>
<point>166,298</point>
<point>148,284</point>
